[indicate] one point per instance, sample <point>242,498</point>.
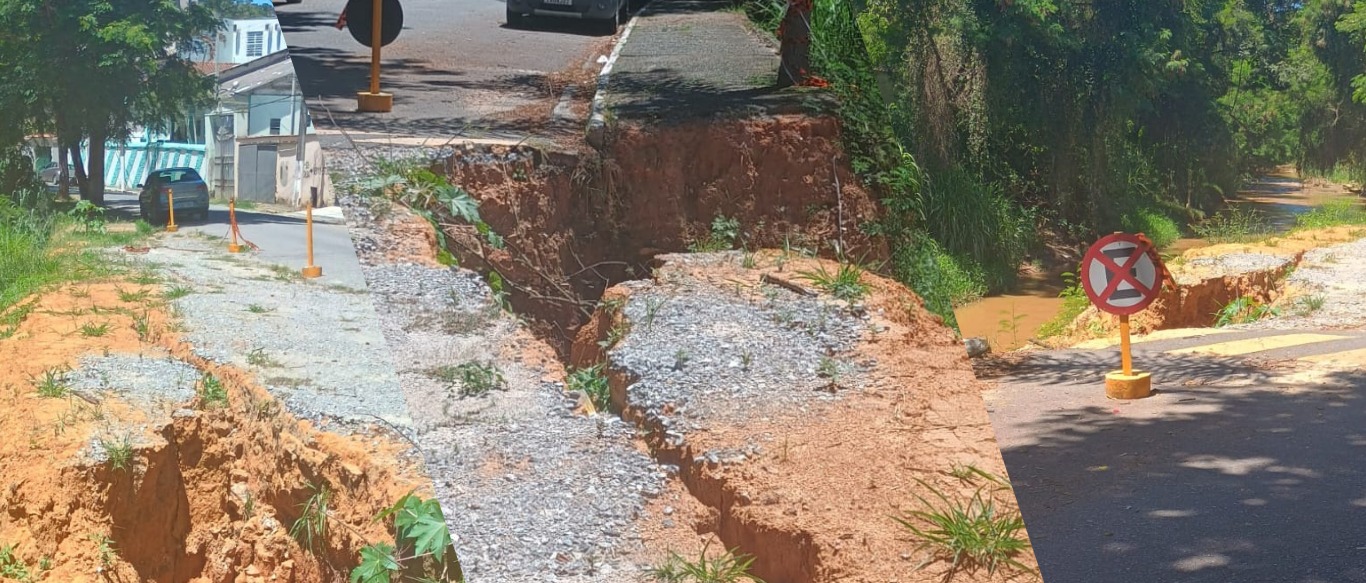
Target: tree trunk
<point>82,179</point>
<point>795,48</point>
<point>96,178</point>
<point>63,168</point>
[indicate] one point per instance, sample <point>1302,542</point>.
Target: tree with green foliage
<point>988,125</point>
<point>90,70</point>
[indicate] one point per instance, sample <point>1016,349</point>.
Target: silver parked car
<point>190,192</point>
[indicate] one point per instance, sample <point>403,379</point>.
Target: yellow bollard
<point>373,101</point>
<point>170,210</point>
<point>1127,383</point>
<point>233,247</point>
<point>310,270</point>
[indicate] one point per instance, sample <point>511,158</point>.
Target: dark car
<point>606,13</point>
<point>191,195</point>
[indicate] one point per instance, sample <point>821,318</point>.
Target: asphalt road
<point>455,70</point>
<point>1244,467</point>
<point>281,239</point>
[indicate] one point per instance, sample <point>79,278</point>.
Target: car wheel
<point>515,19</point>
<point>610,24</point>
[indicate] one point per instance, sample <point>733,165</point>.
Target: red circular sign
<point>1120,275</point>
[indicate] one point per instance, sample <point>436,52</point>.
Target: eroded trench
<point>576,224</point>
<point>208,493</point>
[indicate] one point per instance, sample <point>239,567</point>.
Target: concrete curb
<point>596,132</point>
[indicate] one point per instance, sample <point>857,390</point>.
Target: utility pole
<point>300,114</point>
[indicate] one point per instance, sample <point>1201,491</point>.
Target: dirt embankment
<point>801,423</point>
<point>790,465</point>
<point>96,486</point>
<point>1209,278</point>
<point>577,223</point>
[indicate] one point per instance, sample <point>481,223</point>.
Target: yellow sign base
<point>313,271</point>
<point>375,102</point>
<point>172,228</point>
<point>1132,386</point>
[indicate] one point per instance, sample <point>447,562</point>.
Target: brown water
<point>1009,320</point>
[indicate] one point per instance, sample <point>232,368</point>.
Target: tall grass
<point>27,262</point>
<point>1332,213</point>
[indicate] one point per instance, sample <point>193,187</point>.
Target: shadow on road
<point>1207,483</point>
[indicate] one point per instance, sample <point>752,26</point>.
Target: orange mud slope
<point>816,506</point>
<point>210,493</point>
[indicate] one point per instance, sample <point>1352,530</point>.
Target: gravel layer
<point>1334,278</point>
<point>705,352</point>
<point>531,492</point>
<point>316,346</point>
<point>148,382</point>
<point>1230,265</point>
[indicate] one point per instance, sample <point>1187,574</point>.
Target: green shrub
<point>1331,214</point>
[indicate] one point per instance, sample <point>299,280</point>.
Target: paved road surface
<point>1246,466</point>
<point>281,238</point>
<point>455,66</point>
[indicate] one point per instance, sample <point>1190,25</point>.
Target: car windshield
<point>173,176</point>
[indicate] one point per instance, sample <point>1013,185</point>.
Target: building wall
<point>234,43</point>
<point>265,107</point>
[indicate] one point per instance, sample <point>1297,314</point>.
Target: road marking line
<point>1348,357</point>
<point>1157,336</point>
<point>1262,344</point>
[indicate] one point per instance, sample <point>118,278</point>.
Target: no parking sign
<point>1120,274</point>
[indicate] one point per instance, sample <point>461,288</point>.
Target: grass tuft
<point>973,534</point>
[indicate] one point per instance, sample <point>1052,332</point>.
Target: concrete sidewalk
<point>694,58</point>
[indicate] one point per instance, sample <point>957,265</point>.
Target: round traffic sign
<point>360,20</point>
<point>1120,275</point>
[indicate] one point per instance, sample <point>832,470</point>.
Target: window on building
<point>256,43</point>
<point>274,126</point>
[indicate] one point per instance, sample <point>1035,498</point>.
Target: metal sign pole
<point>373,101</point>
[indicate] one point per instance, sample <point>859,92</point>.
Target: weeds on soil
<point>12,567</point>
<point>725,231</point>
<point>211,392</point>
<point>94,331</point>
<point>52,384</point>
<point>118,452</point>
<point>592,382</point>
<point>846,283</point>
<point>727,567</point>
<point>310,529</point>
<point>972,534</point>
<point>475,378</point>
<point>421,542</point>
<point>1243,310</point>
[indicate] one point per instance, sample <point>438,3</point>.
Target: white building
<point>241,41</point>
<point>252,146</point>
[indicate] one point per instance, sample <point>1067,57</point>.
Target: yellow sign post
<point>373,101</point>
<point>310,271</point>
<point>170,210</point>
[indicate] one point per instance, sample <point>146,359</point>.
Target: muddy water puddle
<point>1009,320</point>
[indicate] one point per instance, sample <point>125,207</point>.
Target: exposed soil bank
<point>208,492</point>
<point>802,468</point>
<point>575,224</point>
<point>1208,278</point>
<point>802,478</point>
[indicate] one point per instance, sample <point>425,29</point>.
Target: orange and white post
<point>310,270</point>
<point>233,247</point>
